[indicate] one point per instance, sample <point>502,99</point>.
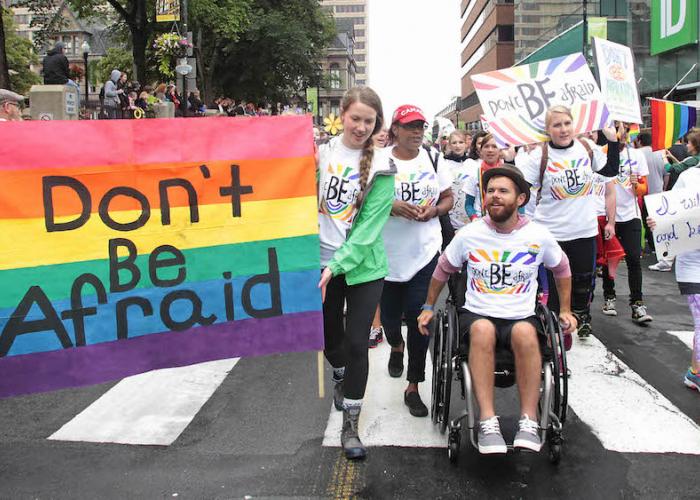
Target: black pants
<point>630,235</point>
<point>405,299</point>
<point>648,235</point>
<point>347,343</point>
<point>581,254</point>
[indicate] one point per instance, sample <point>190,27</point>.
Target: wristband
<point>427,307</point>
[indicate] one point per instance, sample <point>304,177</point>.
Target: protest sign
<point>677,217</point>
<point>127,246</point>
<point>615,67</point>
<point>516,99</point>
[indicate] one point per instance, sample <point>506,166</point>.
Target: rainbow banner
<point>669,122</point>
<point>515,100</point>
<point>128,246</point>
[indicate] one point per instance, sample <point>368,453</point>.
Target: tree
<point>216,24</point>
<point>114,59</point>
<point>20,57</point>
<point>138,15</point>
<point>4,69</point>
<point>279,54</point>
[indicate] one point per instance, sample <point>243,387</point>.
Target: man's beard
<point>505,212</point>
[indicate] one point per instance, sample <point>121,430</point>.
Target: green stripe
<point>534,69</point>
<point>676,122</point>
<point>504,258</point>
<point>243,259</point>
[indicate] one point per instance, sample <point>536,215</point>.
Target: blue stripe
<point>299,293</point>
<point>685,126</point>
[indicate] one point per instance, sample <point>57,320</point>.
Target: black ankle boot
<point>349,438</point>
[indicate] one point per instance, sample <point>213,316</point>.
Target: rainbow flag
<point>669,122</point>
<point>128,246</point>
<point>633,132</point>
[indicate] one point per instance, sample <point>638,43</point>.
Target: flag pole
<point>679,81</point>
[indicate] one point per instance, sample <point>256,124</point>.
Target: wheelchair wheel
<point>438,340</point>
<point>446,368</point>
<point>556,340</point>
<point>453,442</point>
<point>555,454</point>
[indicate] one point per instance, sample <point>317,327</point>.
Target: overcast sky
<point>414,53</point>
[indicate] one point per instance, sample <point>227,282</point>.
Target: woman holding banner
<point>563,170</point>
<point>688,278</point>
<point>356,192</point>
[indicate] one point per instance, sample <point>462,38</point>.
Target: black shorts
<point>504,327</point>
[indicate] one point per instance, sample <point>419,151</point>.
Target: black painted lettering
<point>271,279</point>
<point>123,318</point>
<point>48,184</point>
<point>155,263</point>
<point>128,264</point>
<point>194,317</point>
<point>235,190</point>
<point>143,217</point>
<point>192,202</point>
<point>77,312</point>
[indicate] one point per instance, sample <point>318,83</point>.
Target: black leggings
<point>581,254</point>
<point>346,343</point>
<point>630,235</point>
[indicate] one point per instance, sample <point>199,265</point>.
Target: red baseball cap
<point>408,113</point>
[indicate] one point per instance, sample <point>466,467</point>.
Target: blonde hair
<point>368,97</point>
<point>459,133</point>
<point>556,109</point>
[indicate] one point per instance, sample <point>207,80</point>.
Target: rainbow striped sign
<point>669,122</point>
<point>127,246</point>
<point>516,99</point>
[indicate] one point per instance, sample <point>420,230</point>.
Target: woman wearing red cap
<point>413,238</point>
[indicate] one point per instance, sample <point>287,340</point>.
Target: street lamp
<point>86,51</point>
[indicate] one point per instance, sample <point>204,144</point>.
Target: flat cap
<point>8,95</point>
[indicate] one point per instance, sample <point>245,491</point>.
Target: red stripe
<point>658,125</point>
<point>579,119</point>
<point>592,114</point>
<point>62,144</point>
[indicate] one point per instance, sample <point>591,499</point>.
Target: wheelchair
<point>450,362</point>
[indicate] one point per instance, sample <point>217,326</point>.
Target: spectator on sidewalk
<point>10,106</point>
<point>56,70</point>
<point>112,101</point>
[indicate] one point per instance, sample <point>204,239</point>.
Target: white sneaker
<point>662,266</point>
<point>609,307</point>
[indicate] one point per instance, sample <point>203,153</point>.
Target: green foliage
<point>279,54</point>
<point>119,59</point>
<point>20,57</point>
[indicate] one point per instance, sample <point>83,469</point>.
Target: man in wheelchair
<point>503,251</point>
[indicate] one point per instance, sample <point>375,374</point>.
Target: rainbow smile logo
<point>417,188</point>
<point>568,181</point>
<point>495,274</point>
<point>339,193</point>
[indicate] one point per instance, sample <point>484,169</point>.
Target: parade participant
<point>413,239</point>
<point>476,145</point>
<point>500,299</point>
<point>10,106</point>
<point>628,230</point>
<point>356,191</point>
<point>563,171</point>
<point>381,138</point>
<point>692,159</point>
<point>688,278</point>
<point>490,157</point>
<point>461,169</point>
<point>376,333</point>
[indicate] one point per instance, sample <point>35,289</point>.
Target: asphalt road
<point>261,434</point>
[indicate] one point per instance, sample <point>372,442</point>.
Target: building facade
<point>339,69</point>
<point>357,12</point>
<point>497,34</point>
<point>487,44</point>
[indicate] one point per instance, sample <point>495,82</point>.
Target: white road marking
<point>685,337</point>
<point>385,420</point>
<point>152,408</point>
<point>623,411</point>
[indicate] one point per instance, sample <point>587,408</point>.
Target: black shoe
<point>395,364</point>
<point>415,405</point>
<point>349,439</point>
<point>338,395</point>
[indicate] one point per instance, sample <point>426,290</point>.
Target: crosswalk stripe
<point>683,336</point>
<point>622,410</point>
<point>385,420</point>
<point>152,408</point>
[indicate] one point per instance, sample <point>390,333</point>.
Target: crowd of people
<point>411,213</point>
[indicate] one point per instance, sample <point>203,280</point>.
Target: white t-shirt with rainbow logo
<point>411,245</point>
<point>502,268</point>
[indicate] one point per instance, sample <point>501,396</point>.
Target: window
<point>360,58</point>
<point>614,8</point>
<point>68,42</point>
<point>360,82</point>
<point>334,76</point>
<point>349,8</point>
<point>335,107</point>
<point>359,33</point>
<point>506,33</point>
<point>359,45</point>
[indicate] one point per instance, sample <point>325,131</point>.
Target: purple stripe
<point>579,61</point>
<point>107,361</point>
